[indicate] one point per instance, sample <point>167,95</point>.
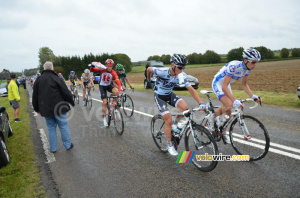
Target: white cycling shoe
<point>172,151</point>
<point>226,139</point>
<point>105,122</point>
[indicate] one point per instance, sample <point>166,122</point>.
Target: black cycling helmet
<point>179,59</point>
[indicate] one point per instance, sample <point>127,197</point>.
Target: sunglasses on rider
<point>180,67</point>
<point>253,62</point>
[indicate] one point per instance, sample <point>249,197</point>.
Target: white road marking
<point>291,155</point>
<point>270,149</point>
<point>272,144</point>
<point>50,157</point>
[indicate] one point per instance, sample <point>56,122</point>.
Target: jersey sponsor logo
<point>231,68</point>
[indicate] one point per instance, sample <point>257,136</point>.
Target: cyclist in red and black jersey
<point>107,75</point>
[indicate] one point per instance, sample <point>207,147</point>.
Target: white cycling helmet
<point>251,55</point>
<point>86,71</point>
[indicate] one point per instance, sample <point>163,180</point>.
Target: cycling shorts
<point>85,84</point>
<point>104,89</point>
<point>217,87</point>
<point>162,100</point>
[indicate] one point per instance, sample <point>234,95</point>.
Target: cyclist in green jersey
<point>122,76</point>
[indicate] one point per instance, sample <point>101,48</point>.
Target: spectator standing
<point>51,98</point>
<point>14,96</point>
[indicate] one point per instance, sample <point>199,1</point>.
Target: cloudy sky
<point>142,28</point>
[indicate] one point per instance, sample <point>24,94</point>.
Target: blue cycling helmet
<point>72,72</point>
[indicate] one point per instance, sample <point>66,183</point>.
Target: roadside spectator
<point>51,99</point>
<point>8,81</point>
<point>14,96</point>
<point>24,82</point>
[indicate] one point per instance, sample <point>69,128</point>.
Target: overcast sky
<point>142,28</point>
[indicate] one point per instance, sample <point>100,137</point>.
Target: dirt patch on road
<point>276,76</point>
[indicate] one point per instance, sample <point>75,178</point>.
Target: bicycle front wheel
<point>158,133</point>
<point>249,137</point>
<point>201,141</point>
<point>127,105</point>
<point>76,97</point>
<point>118,121</point>
<point>89,101</point>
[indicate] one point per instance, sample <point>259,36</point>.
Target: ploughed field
<point>275,76</point>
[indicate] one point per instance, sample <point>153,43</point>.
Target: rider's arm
<point>114,83</point>
<point>115,76</point>
<point>119,85</point>
<point>92,81</point>
<point>225,88</point>
<point>195,95</point>
<point>245,86</point>
<point>149,71</point>
<point>98,66</point>
<point>127,80</point>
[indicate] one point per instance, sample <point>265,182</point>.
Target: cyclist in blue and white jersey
<point>229,73</point>
<point>167,78</point>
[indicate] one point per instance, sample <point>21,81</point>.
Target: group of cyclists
<point>109,81</point>
<point>167,78</point>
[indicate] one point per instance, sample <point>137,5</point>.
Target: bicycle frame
<point>238,113</point>
<point>188,114</point>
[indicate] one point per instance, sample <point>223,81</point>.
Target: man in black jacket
<point>51,99</point>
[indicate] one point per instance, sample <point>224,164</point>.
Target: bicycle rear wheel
<point>127,105</point>
<point>108,116</point>
<point>202,143</point>
<point>158,133</point>
<point>118,121</point>
<point>256,145</point>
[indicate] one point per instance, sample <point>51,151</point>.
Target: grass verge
<point>269,98</point>
<point>21,178</point>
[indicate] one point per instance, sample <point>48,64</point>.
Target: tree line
<point>65,64</point>
<point>210,56</point>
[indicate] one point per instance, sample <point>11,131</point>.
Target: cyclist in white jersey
<point>167,78</point>
<point>229,73</point>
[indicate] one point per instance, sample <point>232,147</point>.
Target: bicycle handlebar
<point>250,99</point>
<point>186,113</point>
<point>238,109</point>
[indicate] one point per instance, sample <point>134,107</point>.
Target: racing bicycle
<point>115,114</point>
<point>88,98</point>
<point>248,136</point>
<point>127,104</point>
<point>75,94</point>
<point>196,138</point>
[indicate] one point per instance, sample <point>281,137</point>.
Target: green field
<point>269,98</point>
<point>21,178</point>
<point>141,69</point>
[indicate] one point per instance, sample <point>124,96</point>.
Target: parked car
<point>5,132</point>
<point>298,91</point>
<point>151,63</point>
<point>194,81</point>
<point>3,90</point>
<point>97,78</point>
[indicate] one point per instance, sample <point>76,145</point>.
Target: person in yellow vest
<point>14,97</point>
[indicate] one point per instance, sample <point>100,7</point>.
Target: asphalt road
<point>105,164</point>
